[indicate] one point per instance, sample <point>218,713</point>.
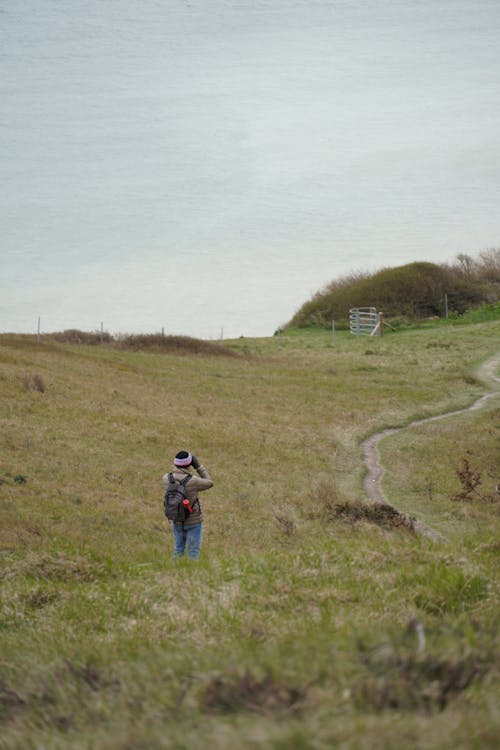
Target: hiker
<point>189,530</point>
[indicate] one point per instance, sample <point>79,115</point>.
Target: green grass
<point>296,628</point>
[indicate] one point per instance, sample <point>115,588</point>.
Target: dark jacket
<point>195,485</point>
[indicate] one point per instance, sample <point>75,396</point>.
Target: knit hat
<point>183,458</point>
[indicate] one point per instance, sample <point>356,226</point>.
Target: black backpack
<point>174,507</point>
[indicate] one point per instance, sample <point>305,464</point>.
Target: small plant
<point>410,683</point>
<point>20,479</point>
<point>470,481</point>
<point>32,383</point>
<point>38,384</point>
<point>232,692</point>
<point>286,524</point>
<point>429,487</point>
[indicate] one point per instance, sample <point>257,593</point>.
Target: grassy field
<point>299,627</point>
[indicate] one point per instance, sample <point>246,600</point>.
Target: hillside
<point>298,627</point>
<point>414,291</point>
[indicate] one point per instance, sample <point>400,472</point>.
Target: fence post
<point>333,329</point>
<point>381,324</point>
<point>38,330</point>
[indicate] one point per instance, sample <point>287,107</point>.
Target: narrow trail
<point>375,470</point>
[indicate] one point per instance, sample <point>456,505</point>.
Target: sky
<point>204,168</point>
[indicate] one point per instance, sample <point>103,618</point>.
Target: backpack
<point>173,504</point>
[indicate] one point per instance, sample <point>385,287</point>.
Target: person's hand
<point>194,462</point>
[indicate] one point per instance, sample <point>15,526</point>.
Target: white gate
<point>364,321</point>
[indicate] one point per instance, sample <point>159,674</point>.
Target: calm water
<point>195,165</point>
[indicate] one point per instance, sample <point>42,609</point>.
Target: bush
<point>413,291</point>
<point>141,342</point>
<point>75,336</point>
<point>32,383</point>
<point>177,344</point>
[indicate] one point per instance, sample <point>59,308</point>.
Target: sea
<point>204,168</point>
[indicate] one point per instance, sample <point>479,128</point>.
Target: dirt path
<point>375,470</point>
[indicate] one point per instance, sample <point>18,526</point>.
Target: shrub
<point>32,383</point>
<point>75,336</point>
<point>141,342</point>
<point>413,291</point>
<point>176,344</point>
<point>470,480</point>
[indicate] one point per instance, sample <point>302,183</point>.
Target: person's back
<point>189,531</point>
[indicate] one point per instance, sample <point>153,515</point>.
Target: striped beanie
<point>183,458</point>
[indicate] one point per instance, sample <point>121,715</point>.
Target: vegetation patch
<point>156,343</point>
<point>32,383</point>
<point>174,344</point>
<point>75,336</point>
<point>414,683</point>
<point>382,515</point>
<point>470,481</point>
<point>329,505</point>
<point>416,291</point>
<point>246,691</point>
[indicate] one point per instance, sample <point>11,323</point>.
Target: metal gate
<point>364,321</point>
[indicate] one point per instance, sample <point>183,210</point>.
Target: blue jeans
<point>190,535</point>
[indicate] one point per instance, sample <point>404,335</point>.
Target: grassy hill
<point>413,292</point>
<point>297,628</point>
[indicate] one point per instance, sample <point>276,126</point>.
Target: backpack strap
<point>183,481</point>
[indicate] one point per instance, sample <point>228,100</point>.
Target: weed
<point>408,683</point>
<point>286,524</point>
<point>470,481</point>
<point>232,692</point>
<point>32,383</point>
<point>39,597</point>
